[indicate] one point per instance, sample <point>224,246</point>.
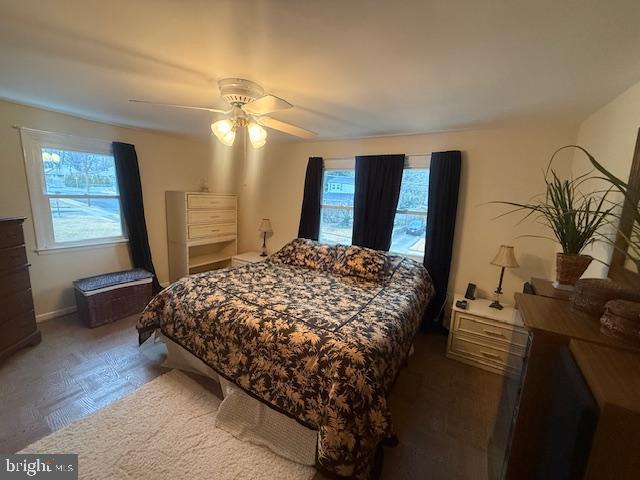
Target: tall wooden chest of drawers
<point>17,320</point>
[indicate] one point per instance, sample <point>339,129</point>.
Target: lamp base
<point>263,249</point>
<point>497,305</point>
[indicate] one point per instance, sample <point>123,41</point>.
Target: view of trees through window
<point>82,190</point>
<point>409,228</point>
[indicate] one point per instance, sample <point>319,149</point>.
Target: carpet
<point>165,429</point>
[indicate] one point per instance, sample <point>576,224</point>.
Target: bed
<point>316,332</point>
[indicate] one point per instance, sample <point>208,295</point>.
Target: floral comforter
<point>319,347</point>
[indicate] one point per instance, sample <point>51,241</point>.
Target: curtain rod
<point>354,156</point>
<point>20,127</point>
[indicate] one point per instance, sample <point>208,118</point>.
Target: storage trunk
<point>106,298</point>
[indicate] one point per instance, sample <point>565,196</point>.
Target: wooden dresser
<point>202,231</point>
<point>552,325</point>
<point>613,378</point>
<point>17,319</point>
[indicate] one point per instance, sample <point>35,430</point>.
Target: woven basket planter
<point>591,294</point>
<point>621,318</point>
<point>569,268</point>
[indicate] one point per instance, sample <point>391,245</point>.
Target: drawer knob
<point>491,333</point>
<point>493,356</point>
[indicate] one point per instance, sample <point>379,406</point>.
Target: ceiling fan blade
<point>214,110</point>
<point>286,127</point>
<point>266,104</point>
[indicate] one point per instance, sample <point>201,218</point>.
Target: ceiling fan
<point>249,108</point>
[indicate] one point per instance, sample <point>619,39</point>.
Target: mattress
<point>320,348</point>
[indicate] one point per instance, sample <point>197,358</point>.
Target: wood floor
<point>444,411</point>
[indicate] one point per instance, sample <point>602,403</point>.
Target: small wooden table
<point>487,338</point>
<point>246,258</point>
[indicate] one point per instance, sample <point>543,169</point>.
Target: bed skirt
<point>245,417</point>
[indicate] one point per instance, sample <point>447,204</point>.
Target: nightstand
<point>487,338</point>
<point>245,258</point>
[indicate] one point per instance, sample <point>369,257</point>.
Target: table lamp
<point>504,259</point>
<point>265,227</point>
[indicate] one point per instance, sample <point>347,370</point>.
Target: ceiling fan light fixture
<point>225,131</point>
<point>257,135</point>
<point>228,138</point>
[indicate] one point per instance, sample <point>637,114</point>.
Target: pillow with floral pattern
<point>302,252</point>
<point>362,262</point>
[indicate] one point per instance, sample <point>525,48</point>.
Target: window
<point>73,189</point>
<point>336,208</point>
<point>410,224</point>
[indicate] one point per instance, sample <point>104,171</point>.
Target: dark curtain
<point>378,179</point>
<point>444,183</point>
<point>310,214</point>
<point>130,189</point>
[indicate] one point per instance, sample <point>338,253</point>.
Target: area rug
<point>165,429</point>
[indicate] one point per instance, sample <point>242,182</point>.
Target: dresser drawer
<point>485,354</point>
<point>16,329</point>
<point>197,232</point>
<point>211,216</point>
<point>11,234</point>
<point>489,329</point>
<point>13,257</point>
<point>14,282</point>
<point>211,202</point>
<point>15,304</point>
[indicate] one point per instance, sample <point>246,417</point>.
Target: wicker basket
<point>591,294</point>
<point>621,318</point>
<point>569,268</point>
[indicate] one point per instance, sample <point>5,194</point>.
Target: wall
<point>498,164</point>
<point>609,134</point>
<point>167,162</point>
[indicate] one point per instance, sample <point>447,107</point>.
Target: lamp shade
<point>225,131</point>
<point>505,257</point>
<point>257,135</point>
<point>265,226</point>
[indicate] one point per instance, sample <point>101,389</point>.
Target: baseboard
<point>43,317</point>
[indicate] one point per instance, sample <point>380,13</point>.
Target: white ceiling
<point>352,68</point>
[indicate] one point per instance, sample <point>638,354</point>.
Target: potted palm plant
<point>631,197</point>
<point>574,218</point>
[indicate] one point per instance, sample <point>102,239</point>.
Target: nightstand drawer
<point>489,329</point>
<point>487,355</point>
